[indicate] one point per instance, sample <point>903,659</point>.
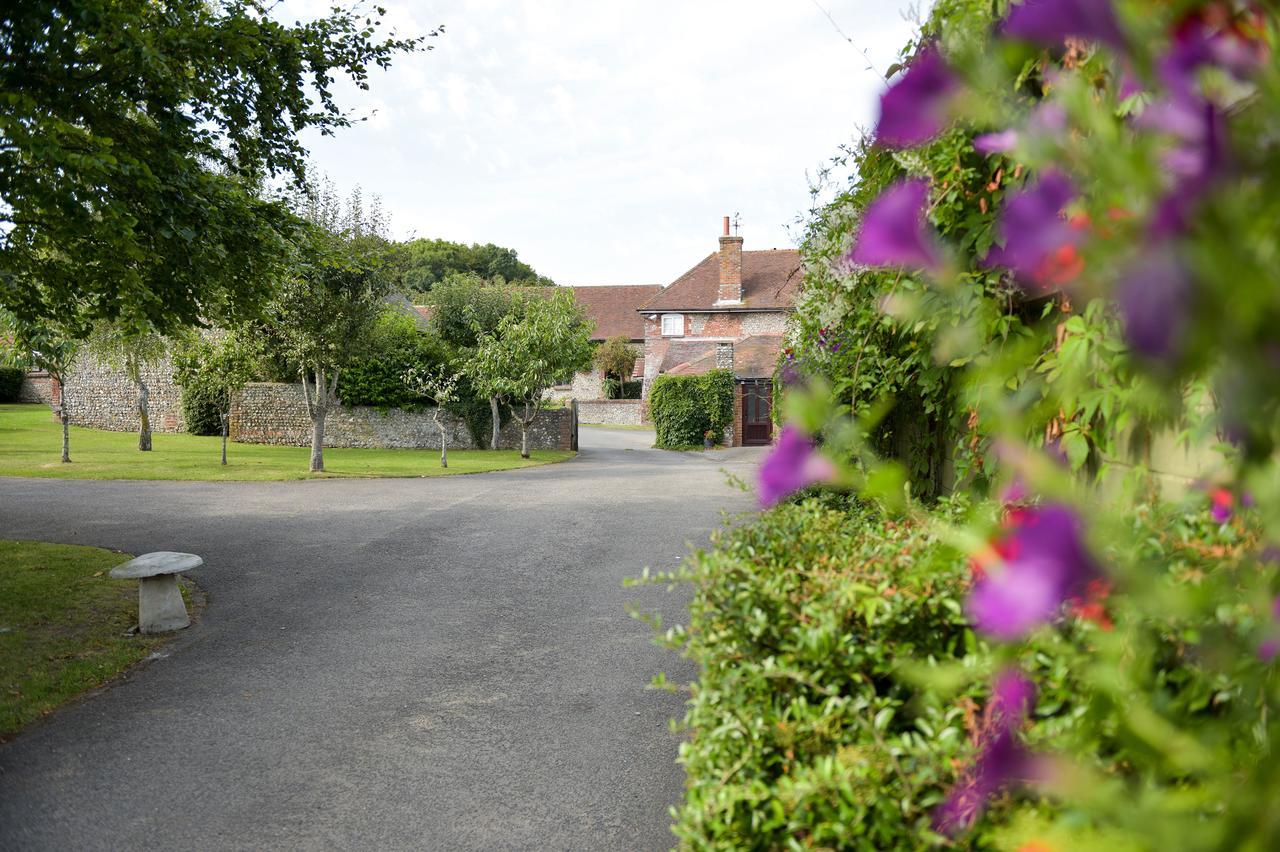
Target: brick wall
<point>36,388</point>
<point>615,412</point>
<point>101,397</point>
<point>269,413</point>
<point>723,325</point>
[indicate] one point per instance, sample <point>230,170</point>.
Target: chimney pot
<point>726,226</point>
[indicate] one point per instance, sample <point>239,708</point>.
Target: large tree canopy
<point>134,135</point>
<point>419,265</point>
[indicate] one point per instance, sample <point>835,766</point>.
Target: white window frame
<point>676,320</point>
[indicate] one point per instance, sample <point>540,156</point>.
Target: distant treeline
<point>418,265</point>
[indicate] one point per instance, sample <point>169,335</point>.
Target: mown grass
<point>63,626</point>
<point>31,442</point>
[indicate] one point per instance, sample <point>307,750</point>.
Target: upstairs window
<point>673,325</point>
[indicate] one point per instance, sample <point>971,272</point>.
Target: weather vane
<point>737,222</point>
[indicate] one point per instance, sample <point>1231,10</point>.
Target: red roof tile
<point>769,282</point>
<point>614,309</point>
<point>754,357</point>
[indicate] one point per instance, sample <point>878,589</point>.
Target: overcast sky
<point>605,140</point>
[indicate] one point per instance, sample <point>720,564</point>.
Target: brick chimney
<point>724,355</point>
<point>730,268</point>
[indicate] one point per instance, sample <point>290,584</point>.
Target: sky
<point>604,141</point>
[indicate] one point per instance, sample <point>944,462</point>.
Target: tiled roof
<point>769,282</point>
<point>683,352</point>
<point>755,357</point>
<point>614,309</point>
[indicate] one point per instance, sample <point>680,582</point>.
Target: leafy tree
<point>51,348</point>
<point>326,313</point>
<point>617,356</point>
<point>133,139</point>
<point>464,308</point>
<point>420,265</point>
<point>217,368</point>
<point>130,349</point>
<point>529,352</point>
<point>440,385</point>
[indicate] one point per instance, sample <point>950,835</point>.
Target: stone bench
<point>160,606</point>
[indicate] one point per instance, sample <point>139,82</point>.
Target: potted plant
<point>708,439</point>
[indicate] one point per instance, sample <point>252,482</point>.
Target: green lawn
<point>63,626</point>
<point>31,442</point>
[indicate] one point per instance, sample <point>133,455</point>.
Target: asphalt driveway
<point>438,663</point>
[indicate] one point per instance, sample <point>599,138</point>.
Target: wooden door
<point>757,415</point>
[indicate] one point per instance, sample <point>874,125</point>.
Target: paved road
<point>438,663</point>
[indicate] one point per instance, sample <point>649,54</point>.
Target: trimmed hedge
<point>10,383</point>
<point>683,408</point>
<point>200,412</point>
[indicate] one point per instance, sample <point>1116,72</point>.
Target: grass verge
<point>63,627</point>
<point>30,443</point>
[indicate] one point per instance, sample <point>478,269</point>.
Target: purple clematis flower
<point>1197,159</point>
<point>914,109</point>
<point>793,464</point>
<point>996,143</point>
<point>1155,302</point>
<point>1196,44</point>
<point>1050,22</point>
<point>1040,245</point>
<point>1270,647</point>
<point>894,229</point>
<point>1001,760</point>
<point>1045,563</point>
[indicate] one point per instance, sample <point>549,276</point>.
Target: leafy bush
<point>842,693</point>
<point>684,408</point>
<point>377,378</point>
<point>201,410</point>
<point>630,390</point>
<point>10,383</point>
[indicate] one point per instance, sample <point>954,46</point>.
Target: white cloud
<point>603,141</point>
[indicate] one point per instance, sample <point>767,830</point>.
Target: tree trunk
<point>444,444</point>
<point>144,416</point>
<point>524,432</point>
<point>226,417</point>
<point>66,428</point>
<point>319,408</point>
<point>497,422</point>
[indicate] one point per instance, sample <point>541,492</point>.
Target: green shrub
<point>10,383</point>
<point>684,408</point>
<point>376,379</point>
<point>200,409</point>
<point>630,390</point>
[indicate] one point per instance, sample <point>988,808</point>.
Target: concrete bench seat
<point>160,606</point>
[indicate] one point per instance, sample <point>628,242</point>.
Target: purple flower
<point>1195,45</point>
<point>996,143</point>
<point>1155,303</point>
<point>793,464</point>
<point>1045,563</point>
<point>1196,160</point>
<point>914,109</point>
<point>1270,647</point>
<point>1001,759</point>
<point>894,230</point>
<point>1050,22</point>
<point>1040,245</point>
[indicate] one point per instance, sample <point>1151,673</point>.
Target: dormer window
<point>673,325</point>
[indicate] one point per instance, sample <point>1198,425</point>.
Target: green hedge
<point>630,389</point>
<point>200,412</point>
<point>802,723</point>
<point>377,379</point>
<point>683,408</point>
<point>10,383</point>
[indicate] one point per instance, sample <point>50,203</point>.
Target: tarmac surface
<point>442,663</point>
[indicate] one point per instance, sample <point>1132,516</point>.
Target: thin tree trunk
<point>226,418</point>
<point>66,428</point>
<point>444,444</point>
<point>524,432</point>
<point>319,408</point>
<point>144,416</point>
<point>497,422</point>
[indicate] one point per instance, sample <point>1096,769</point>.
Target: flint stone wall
<point>272,413</point>
<point>99,396</point>
<point>611,412</point>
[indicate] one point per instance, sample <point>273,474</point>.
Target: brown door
<point>757,411</point>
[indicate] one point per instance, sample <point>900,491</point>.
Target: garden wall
<point>270,413</point>
<point>36,388</point>
<point>613,412</point>
<point>101,397</point>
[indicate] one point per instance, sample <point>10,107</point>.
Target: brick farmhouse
<point>729,311</point>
